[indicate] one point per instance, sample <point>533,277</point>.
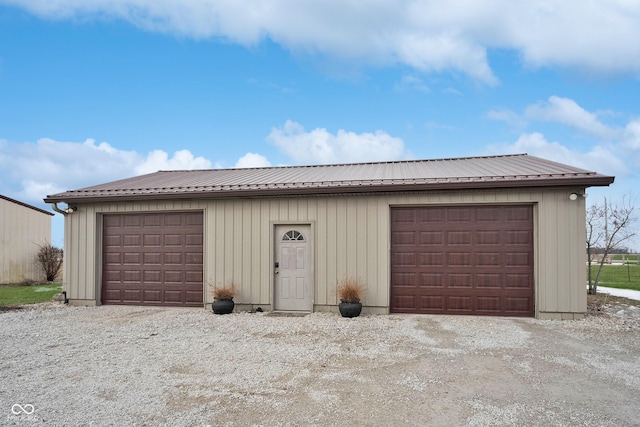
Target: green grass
<point>630,258</point>
<point>28,294</point>
<point>618,276</point>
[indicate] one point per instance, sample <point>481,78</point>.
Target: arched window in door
<point>293,235</point>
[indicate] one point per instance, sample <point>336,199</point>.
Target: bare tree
<point>608,226</point>
<point>50,260</point>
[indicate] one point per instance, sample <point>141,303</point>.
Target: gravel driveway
<point>115,365</point>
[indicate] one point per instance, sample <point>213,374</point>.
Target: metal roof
<point>508,171</point>
<point>17,202</point>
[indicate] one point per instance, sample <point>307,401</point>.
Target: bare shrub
<point>50,259</point>
<point>351,289</point>
<point>224,292</point>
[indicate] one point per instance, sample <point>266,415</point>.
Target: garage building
<point>498,235</point>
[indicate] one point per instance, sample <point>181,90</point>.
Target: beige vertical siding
<point>22,231</point>
<point>351,237</point>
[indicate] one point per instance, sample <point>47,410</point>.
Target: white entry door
<point>293,268</point>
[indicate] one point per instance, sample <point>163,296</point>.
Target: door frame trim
<point>272,244</point>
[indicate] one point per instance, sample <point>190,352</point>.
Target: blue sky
<point>97,90</point>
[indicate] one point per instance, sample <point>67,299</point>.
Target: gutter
<point>328,189</point>
<point>64,212</point>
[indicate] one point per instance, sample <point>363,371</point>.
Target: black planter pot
<point>223,306</point>
<point>350,309</point>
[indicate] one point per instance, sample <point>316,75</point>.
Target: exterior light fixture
<point>573,196</point>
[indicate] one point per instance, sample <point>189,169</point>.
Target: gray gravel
<point>115,366</point>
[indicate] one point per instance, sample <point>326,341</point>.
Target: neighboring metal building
<point>501,235</point>
<point>23,229</point>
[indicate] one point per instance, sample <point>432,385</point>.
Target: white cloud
<point>411,83</point>
<point>598,36</point>
<point>320,146</point>
<point>568,112</point>
<point>159,160</point>
<point>506,116</point>
<point>252,160</point>
<point>632,135</point>
<point>600,159</point>
<point>35,170</point>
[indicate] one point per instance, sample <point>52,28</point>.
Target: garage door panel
<point>404,259</point>
<point>488,237</point>
<point>518,260</point>
<point>173,277</point>
<point>489,280</point>
<point>194,219</point>
<point>128,220</point>
<point>173,258</point>
<point>431,303</point>
<point>461,304</point>
<point>491,259</point>
<point>113,294</point>
<point>130,240</point>
<point>113,258</point>
<point>194,277</point>
<point>112,241</point>
<point>131,276</point>
<point>172,296</point>
<point>517,213</point>
<point>470,260</point>
<point>461,214</point>
<point>431,237</point>
<point>131,295</point>
<point>173,240</point>
<point>193,297</point>
<point>518,238</point>
<point>489,304</point>
<point>162,262</point>
<point>487,214</point>
<point>430,216</point>
<point>151,258</point>
<point>408,238</point>
<point>407,302</point>
<point>193,239</point>
<point>193,258</point>
<point>152,240</point>
<point>152,296</point>
<point>517,280</point>
<point>404,279</point>
<point>113,276</point>
<point>173,220</point>
<point>149,220</point>
<point>112,221</point>
<point>515,305</point>
<point>458,259</point>
<point>464,238</point>
<point>460,280</point>
<point>428,259</point>
<point>430,280</point>
<point>126,258</point>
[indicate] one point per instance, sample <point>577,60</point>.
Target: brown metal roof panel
<point>379,175</point>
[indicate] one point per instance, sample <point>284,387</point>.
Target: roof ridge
<point>387,162</point>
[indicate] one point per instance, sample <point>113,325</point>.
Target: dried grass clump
<point>224,292</point>
<point>351,289</point>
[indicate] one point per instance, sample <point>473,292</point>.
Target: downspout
<point>64,212</point>
<point>55,207</point>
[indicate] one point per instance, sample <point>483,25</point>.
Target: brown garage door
<point>462,260</point>
<point>153,259</point>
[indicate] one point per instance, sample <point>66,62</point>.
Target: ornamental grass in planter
<point>350,291</point>
<point>223,299</point>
